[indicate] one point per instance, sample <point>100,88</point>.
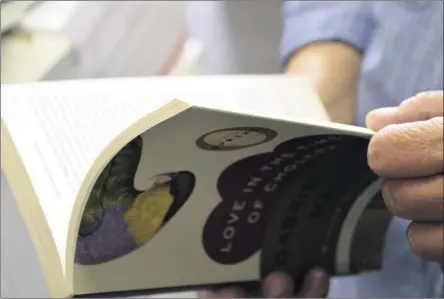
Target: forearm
<point>334,68</point>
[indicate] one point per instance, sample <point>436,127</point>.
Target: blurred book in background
<point>115,38</point>
<point>106,39</point>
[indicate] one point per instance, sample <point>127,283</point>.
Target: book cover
<point>230,202</point>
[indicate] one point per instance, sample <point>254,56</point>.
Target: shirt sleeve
<point>306,22</point>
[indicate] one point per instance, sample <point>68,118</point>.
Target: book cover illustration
<point>117,218</point>
<point>312,201</point>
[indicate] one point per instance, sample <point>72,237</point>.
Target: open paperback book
<point>125,192</point>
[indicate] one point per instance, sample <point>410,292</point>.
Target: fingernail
<point>277,285</point>
<point>315,284</point>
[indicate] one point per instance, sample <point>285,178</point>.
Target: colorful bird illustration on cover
<point>119,219</point>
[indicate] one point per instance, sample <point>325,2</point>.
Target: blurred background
<point>58,40</point>
<point>53,40</point>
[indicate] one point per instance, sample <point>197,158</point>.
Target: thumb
<point>315,285</point>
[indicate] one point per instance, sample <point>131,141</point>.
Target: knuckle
<point>395,200</point>
<point>437,124</point>
<point>433,139</point>
<point>426,240</point>
<point>426,104</point>
<point>430,94</point>
<point>425,97</point>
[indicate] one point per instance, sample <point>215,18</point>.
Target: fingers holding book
<point>279,285</point>
<point>407,150</point>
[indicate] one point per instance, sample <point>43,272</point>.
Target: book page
<point>230,198</point>
<point>277,96</point>
<point>59,130</point>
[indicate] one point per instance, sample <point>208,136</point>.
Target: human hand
<point>280,285</point>
<point>407,150</point>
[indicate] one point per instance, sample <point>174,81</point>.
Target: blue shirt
<point>402,46</point>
